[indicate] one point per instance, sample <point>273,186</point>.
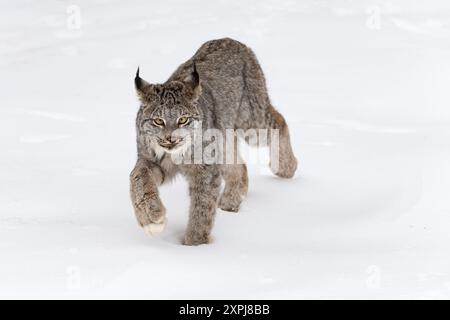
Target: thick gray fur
<point>222,86</point>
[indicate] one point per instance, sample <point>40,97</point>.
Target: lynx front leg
<point>149,210</point>
<point>204,185</point>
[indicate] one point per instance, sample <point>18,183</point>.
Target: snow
<point>363,85</point>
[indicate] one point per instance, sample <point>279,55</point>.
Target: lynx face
<point>169,113</point>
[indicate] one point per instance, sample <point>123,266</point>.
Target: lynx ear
<point>192,83</point>
<point>141,85</point>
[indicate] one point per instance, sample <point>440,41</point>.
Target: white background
<point>364,86</point>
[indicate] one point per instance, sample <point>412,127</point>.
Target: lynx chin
<point>221,88</point>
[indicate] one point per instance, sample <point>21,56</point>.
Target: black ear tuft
<point>192,83</point>
<point>195,76</point>
<point>142,86</point>
<point>137,80</point>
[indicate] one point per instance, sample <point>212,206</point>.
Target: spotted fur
<point>223,87</point>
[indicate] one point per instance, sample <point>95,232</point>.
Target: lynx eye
<point>158,122</point>
<point>183,120</point>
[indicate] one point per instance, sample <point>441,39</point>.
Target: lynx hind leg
<point>262,115</point>
<point>236,186</point>
<point>282,160</point>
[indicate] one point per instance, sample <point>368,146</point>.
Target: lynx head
<point>169,112</point>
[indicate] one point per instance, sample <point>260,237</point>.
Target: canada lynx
<point>221,87</point>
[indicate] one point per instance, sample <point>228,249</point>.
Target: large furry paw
<point>149,209</point>
<point>286,167</point>
<point>155,228</point>
<point>196,239</point>
<point>230,201</point>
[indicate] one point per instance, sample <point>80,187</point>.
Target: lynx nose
<point>170,142</point>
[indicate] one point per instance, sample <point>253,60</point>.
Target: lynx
<point>221,87</point>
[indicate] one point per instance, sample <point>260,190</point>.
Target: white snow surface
<point>364,86</point>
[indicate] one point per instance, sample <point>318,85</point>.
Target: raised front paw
<point>155,228</point>
<point>150,213</point>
